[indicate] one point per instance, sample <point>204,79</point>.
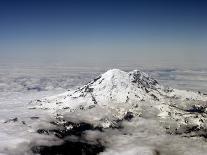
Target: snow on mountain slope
<point>116,86</point>
<point>117,92</point>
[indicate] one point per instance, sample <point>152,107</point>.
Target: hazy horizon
<point>104,33</point>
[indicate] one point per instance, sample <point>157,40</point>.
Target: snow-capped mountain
<point>117,92</point>
<point>117,86</point>
<point>114,86</point>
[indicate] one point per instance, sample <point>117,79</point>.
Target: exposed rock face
<point>143,80</point>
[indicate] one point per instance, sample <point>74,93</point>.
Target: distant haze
<point>104,33</point>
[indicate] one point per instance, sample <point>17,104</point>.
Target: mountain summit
<point>116,86</point>
<point>113,86</point>
<point>118,96</point>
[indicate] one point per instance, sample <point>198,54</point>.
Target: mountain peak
<point>137,77</point>
<point>113,86</point>
<point>113,72</point>
<point>116,86</point>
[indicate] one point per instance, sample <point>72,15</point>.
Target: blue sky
<point>104,32</point>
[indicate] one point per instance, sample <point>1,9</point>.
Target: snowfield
<point>127,113</point>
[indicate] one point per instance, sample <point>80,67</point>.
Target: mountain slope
<point>143,111</point>
<point>116,93</point>
<point>116,86</point>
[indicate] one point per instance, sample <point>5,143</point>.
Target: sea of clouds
<point>20,85</point>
